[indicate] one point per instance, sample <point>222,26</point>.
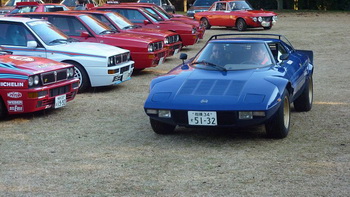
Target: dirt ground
<point>101,144</point>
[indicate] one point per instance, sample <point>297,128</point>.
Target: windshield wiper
<point>58,41</point>
<point>107,32</point>
<point>218,67</point>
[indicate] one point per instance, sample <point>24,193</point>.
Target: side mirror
<point>183,56</point>
<point>32,44</point>
<point>85,34</point>
<point>145,22</point>
<point>284,56</point>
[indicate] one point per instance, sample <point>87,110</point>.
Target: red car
<point>29,84</point>
<point>146,51</point>
<point>140,16</point>
<point>234,13</point>
<point>24,7</point>
<point>121,24</point>
<point>165,16</point>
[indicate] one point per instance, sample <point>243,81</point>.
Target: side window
<point>13,34</point>
<point>77,27</point>
<point>277,50</point>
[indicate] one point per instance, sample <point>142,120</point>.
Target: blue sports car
<point>235,80</point>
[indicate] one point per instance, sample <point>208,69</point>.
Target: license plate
<point>125,76</point>
<point>205,118</point>
<point>161,60</point>
<point>60,101</point>
<point>176,51</point>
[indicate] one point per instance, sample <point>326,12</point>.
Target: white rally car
<point>96,64</point>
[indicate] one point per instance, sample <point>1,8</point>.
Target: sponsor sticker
<point>14,94</point>
<point>22,58</point>
<point>11,84</point>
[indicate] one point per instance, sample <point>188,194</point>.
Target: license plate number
<point>125,76</point>
<point>205,118</point>
<point>60,101</point>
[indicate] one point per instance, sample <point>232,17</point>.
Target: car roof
<point>18,19</point>
<point>54,13</point>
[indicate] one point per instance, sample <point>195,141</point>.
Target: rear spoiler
<point>33,3</point>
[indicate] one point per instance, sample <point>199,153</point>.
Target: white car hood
<point>89,48</point>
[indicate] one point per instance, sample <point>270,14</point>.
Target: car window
<point>233,56</point>
<point>207,3</point>
<point>133,15</point>
<point>46,31</point>
<point>120,20</point>
<point>277,50</point>
<point>103,19</point>
<point>15,34</point>
<point>24,9</point>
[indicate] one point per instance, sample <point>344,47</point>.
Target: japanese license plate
<point>125,76</point>
<point>60,101</point>
<point>161,60</point>
<point>205,118</point>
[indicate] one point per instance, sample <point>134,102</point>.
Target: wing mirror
<point>85,34</point>
<point>284,56</point>
<point>183,56</point>
<point>32,44</point>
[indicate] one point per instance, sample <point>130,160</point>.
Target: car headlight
<point>36,80</point>
<point>70,72</point>
<point>30,81</point>
<point>260,19</point>
<point>166,40</point>
<point>33,80</point>
<point>194,30</point>
<point>254,19</point>
<point>150,48</point>
<point>274,18</point>
<point>190,11</point>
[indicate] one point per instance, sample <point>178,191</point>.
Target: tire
<point>80,73</point>
<point>278,125</point>
<point>162,128</point>
<point>206,23</point>
<point>241,24</point>
<point>267,28</point>
<point>304,102</point>
<point>3,109</point>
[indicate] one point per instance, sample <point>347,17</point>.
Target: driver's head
<point>258,51</point>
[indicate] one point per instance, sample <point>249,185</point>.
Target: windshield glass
<point>240,5</point>
<point>162,12</point>
<point>150,1</point>
<point>233,56</point>
<point>204,3</point>
<point>121,21</point>
<point>97,26</point>
<point>47,32</point>
<point>149,15</point>
<point>154,14</point>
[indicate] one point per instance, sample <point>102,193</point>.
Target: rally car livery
<point>29,84</point>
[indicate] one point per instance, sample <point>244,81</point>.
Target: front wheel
<point>279,123</point>
<point>241,25</point>
<point>162,128</point>
<point>205,23</point>
<point>304,101</point>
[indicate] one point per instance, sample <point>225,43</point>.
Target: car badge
<point>204,101</point>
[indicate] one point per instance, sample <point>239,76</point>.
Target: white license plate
<point>205,118</point>
<point>125,76</point>
<point>60,101</point>
<point>176,51</point>
<point>161,60</point>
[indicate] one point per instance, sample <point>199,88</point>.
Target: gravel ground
<point>101,144</point>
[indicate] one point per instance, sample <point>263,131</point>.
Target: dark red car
<point>121,24</point>
<point>146,51</point>
<point>162,15</point>
<point>188,33</point>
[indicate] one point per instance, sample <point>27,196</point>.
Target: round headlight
<point>166,40</point>
<point>30,81</point>
<point>36,80</point>
<point>254,19</point>
<point>70,72</point>
<point>260,19</point>
<point>150,48</point>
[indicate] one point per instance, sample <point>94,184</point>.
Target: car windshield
<point>48,33</point>
<point>24,9</point>
<point>162,12</point>
<point>157,2</point>
<point>233,56</point>
<point>121,21</point>
<point>240,5</point>
<point>97,26</point>
<point>150,16</point>
<point>206,3</point>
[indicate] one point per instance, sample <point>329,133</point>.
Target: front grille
<point>267,19</point>
<point>173,39</point>
<point>117,59</point>
<point>59,90</point>
<point>160,55</point>
<point>225,118</point>
<point>175,46</point>
<point>157,46</point>
<point>54,76</point>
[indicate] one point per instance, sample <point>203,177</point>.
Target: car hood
<point>88,48</point>
<point>255,13</point>
<point>214,90</point>
<point>25,65</point>
<point>154,32</point>
<point>131,37</point>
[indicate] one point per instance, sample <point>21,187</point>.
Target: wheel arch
<point>74,63</point>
